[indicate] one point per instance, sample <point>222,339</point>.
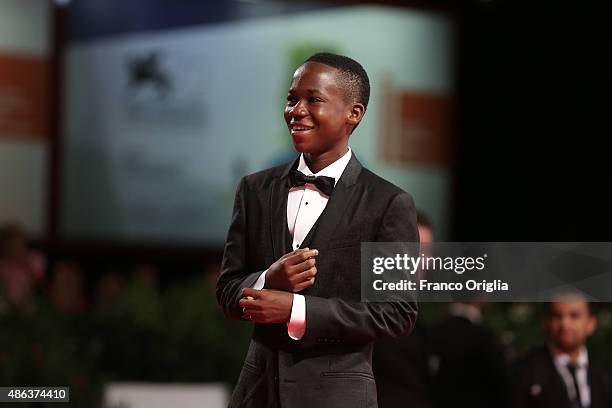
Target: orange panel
<point>416,128</point>
<point>24,96</point>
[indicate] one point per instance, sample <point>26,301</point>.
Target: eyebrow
<point>310,91</point>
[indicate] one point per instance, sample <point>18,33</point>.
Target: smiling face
<point>318,112</point>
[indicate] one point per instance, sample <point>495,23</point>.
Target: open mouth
<point>299,129</point>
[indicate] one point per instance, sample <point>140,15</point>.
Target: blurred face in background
<point>569,324</point>
<point>425,234</point>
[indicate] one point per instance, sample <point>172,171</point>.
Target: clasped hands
<point>291,273</point>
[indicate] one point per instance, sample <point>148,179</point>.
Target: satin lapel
<point>278,213</point>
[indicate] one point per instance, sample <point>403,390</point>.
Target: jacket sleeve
<point>234,276</point>
<point>336,321</point>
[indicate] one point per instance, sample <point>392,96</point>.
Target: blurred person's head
<point>425,227</point>
<point>326,100</point>
<point>21,269</point>
<point>570,321</point>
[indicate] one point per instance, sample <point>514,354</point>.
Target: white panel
<point>152,162</point>
<point>25,26</point>
<point>23,180</point>
<point>143,395</point>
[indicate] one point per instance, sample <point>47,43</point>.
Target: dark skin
<point>320,117</point>
<point>318,103</point>
<point>293,272</point>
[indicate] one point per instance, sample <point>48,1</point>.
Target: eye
<point>291,100</point>
<point>314,99</point>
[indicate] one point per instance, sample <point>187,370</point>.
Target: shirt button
<point>306,202</point>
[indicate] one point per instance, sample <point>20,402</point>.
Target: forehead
<point>316,76</point>
<point>569,307</point>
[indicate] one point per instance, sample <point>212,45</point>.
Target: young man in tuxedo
<point>562,374</point>
<point>292,257</point>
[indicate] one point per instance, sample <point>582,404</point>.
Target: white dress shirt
<point>582,363</point>
<point>304,206</point>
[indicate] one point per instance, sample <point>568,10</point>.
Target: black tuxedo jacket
<point>538,384</point>
<point>330,366</point>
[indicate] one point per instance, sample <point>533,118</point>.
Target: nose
<point>297,110</point>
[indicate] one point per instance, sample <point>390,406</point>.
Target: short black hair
<point>355,78</point>
<point>573,297</point>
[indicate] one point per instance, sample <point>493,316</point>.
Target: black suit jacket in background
<point>472,370</point>
<point>537,384</point>
<point>401,369</point>
<point>331,365</point>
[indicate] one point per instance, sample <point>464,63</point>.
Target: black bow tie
<point>323,183</point>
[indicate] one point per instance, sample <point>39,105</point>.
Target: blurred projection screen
<point>161,125</point>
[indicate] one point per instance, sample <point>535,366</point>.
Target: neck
<point>317,162</point>
<point>573,353</point>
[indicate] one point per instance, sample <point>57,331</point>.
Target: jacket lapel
<point>336,207</point>
<point>325,225</point>
<point>278,213</point>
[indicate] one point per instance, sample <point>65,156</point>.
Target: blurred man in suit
<point>468,365</point>
<point>561,374</point>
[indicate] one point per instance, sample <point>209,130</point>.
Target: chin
<point>568,346</point>
<point>298,148</point>
<point>302,148</point>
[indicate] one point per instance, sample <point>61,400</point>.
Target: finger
<point>246,303</point>
<point>253,305</point>
<point>250,292</point>
<point>255,318</point>
<point>305,275</point>
<point>306,284</point>
<point>303,266</point>
<point>288,254</point>
<point>301,255</point>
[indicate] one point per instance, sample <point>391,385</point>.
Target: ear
<point>355,114</point>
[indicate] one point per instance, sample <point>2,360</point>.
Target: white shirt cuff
<point>261,281</point>
<point>297,323</point>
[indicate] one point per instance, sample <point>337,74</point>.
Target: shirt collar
<point>334,170</point>
<point>562,359</point>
